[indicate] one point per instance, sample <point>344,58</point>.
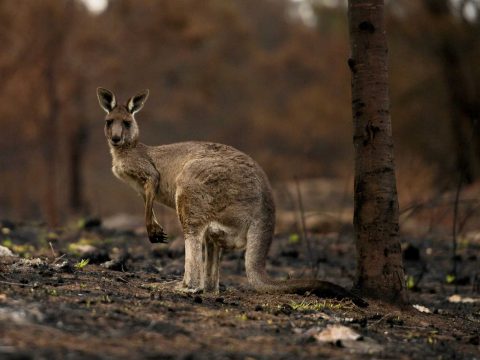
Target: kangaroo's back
<point>215,176</point>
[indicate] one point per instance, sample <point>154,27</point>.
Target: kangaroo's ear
<point>106,99</point>
<point>136,102</point>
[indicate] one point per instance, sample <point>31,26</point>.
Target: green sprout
<point>242,317</point>
<point>317,305</point>
<point>450,279</point>
<point>293,238</point>
<point>7,243</point>
<point>81,264</point>
<point>411,282</point>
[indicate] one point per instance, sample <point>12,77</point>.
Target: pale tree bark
<point>379,257</point>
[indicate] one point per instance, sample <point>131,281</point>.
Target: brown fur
<point>222,197</point>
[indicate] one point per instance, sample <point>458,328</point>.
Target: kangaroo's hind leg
<point>193,278</point>
<point>212,265</point>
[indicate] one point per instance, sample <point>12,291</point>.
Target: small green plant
<point>294,238</point>
<point>81,264</point>
<point>450,279</point>
<point>81,223</point>
<point>411,282</point>
<point>24,251</point>
<point>106,299</point>
<point>51,236</point>
<point>7,243</point>
<point>316,305</point>
<point>242,317</point>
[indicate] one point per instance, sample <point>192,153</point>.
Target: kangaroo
<point>222,197</point>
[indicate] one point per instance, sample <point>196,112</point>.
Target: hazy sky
<point>96,6</point>
<point>303,9</point>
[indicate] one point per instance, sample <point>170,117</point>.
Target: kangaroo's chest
<point>128,176</point>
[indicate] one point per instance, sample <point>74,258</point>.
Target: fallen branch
<point>303,226</point>
<point>15,284</point>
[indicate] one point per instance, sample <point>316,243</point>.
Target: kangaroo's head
<point>121,129</point>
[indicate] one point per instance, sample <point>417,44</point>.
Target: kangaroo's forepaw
<point>157,235</point>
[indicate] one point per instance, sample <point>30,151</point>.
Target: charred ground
<point>124,302</point>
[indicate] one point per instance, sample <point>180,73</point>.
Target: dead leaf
<point>4,251</point>
<point>422,308</point>
<point>334,333</point>
<point>460,299</point>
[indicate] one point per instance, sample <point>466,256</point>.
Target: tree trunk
<point>379,257</point>
<point>54,51</point>
<point>78,140</point>
<point>453,38</point>
<point>50,139</point>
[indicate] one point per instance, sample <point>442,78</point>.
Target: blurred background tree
<point>266,76</point>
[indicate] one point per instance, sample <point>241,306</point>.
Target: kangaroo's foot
<point>156,234</point>
<point>211,289</point>
<point>181,287</point>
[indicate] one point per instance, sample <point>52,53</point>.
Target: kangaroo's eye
<point>127,124</point>
<point>109,123</point>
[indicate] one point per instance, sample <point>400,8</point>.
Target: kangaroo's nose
<point>115,139</point>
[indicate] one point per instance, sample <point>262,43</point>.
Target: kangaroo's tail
<point>258,243</point>
<point>263,283</point>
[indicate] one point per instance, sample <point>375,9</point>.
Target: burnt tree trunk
<point>451,48</point>
<point>379,257</point>
<point>54,48</point>
<point>78,135</point>
<point>76,153</point>
<point>50,139</point>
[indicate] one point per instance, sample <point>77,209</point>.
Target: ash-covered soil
<point>124,303</point>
